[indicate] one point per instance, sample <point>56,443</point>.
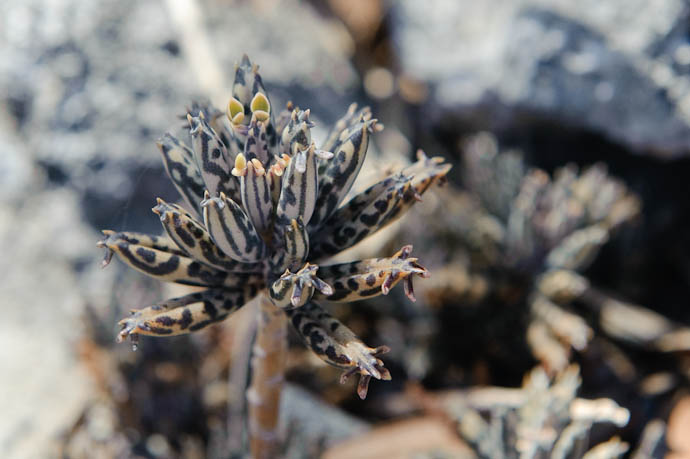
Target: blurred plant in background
<point>512,278</point>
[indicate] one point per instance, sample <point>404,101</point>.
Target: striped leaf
<point>162,243</point>
<point>192,237</point>
<point>212,158</point>
<point>255,191</point>
<point>247,85</point>
<point>351,118</point>
<point>348,225</point>
<point>298,191</point>
<point>231,229</point>
<point>182,169</point>
<point>295,248</point>
<point>296,134</point>
<point>256,145</point>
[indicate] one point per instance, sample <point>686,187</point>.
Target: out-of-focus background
<point>556,318</point>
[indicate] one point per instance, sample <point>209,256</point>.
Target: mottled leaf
<point>342,169</point>
<point>171,267</point>
<point>372,277</point>
<point>184,314</point>
<point>337,345</point>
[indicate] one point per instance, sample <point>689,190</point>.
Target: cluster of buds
<point>264,207</point>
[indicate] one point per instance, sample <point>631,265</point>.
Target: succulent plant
<point>523,236</point>
<point>264,207</point>
<point>544,418</point>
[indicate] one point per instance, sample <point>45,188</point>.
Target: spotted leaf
<point>172,267</point>
<point>184,314</point>
<point>342,169</point>
<point>337,345</point>
<point>299,189</point>
<point>371,277</point>
<point>296,134</point>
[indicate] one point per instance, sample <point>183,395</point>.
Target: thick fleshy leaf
<point>295,248</point>
<point>342,169</point>
<point>351,118</point>
<point>247,85</point>
<point>255,190</point>
<point>371,277</point>
<point>342,231</point>
<point>579,248</point>
<point>296,134</point>
<point>337,345</point>
<point>192,237</point>
<point>293,290</point>
<point>299,189</point>
<point>218,122</point>
<point>183,170</point>
<point>171,267</point>
<point>231,229</point>
<point>184,314</point>
<point>275,178</point>
<point>361,216</point>
<point>376,197</point>
<point>256,145</point>
<point>283,119</point>
<point>426,171</point>
<point>162,243</point>
<point>212,158</point>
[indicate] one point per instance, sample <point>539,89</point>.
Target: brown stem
<point>242,328</point>
<point>268,367</point>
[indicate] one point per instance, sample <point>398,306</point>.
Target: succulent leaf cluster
<point>544,418</point>
<point>547,229</point>
<point>264,207</point>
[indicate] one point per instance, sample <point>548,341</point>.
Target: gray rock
<point>46,248</point>
<point>617,68</point>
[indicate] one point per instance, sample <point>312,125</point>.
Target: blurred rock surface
<point>616,68</point>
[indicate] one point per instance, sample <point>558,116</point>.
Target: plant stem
<point>268,367</point>
<point>242,327</point>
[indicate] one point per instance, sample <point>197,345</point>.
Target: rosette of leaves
<point>264,207</point>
